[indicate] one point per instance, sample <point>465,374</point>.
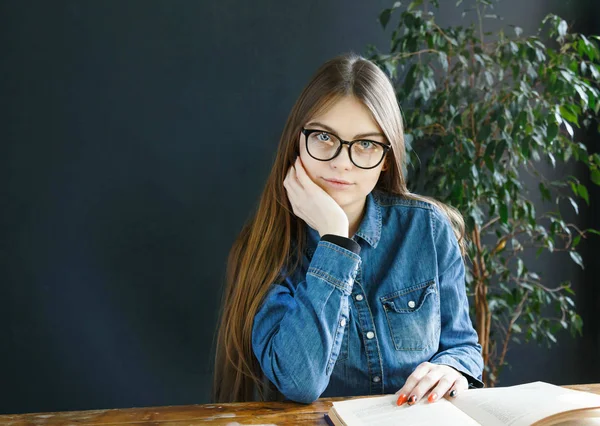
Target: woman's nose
<point>342,160</point>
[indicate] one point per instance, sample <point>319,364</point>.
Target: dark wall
<point>135,137</point>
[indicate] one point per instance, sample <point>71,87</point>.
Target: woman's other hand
<point>433,381</point>
<point>312,204</point>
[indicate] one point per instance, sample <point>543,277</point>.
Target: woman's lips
<point>338,184</point>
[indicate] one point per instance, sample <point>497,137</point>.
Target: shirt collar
<point>370,226</point>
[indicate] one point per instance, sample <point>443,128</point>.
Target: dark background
<point>135,138</point>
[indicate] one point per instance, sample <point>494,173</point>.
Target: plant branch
<point>480,24</point>
<point>490,223</point>
<point>537,284</point>
<point>439,29</point>
<point>514,318</point>
<point>406,55</point>
<point>434,125</point>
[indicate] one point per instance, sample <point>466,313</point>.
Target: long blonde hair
<point>274,236</point>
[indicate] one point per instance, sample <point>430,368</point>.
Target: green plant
<point>482,110</point>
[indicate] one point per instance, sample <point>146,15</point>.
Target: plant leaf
<point>414,4</point>
<point>576,258</point>
<point>384,17</point>
<point>504,213</point>
<point>562,28</point>
<point>574,204</point>
<point>568,115</point>
<point>443,60</point>
<point>551,132</point>
<point>544,191</point>
<point>583,193</point>
<point>595,176</point>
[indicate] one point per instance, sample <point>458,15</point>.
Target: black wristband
<point>347,243</point>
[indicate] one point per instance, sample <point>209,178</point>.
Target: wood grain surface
<point>242,413</point>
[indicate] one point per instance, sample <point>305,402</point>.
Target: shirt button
<point>343,322</point>
<point>370,335</point>
<point>359,297</point>
<point>376,379</point>
<point>411,304</point>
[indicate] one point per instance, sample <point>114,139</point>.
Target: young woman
<point>344,283</point>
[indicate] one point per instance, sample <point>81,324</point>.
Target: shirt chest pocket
<point>413,316</point>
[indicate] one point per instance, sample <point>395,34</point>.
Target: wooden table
<point>247,413</point>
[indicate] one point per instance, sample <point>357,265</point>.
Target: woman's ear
<point>385,165</point>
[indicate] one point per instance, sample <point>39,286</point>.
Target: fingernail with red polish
<point>412,399</point>
<point>432,397</point>
<point>402,399</point>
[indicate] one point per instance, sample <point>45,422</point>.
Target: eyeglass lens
<point>323,146</point>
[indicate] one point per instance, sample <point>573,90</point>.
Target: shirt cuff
<point>474,382</point>
<point>347,243</point>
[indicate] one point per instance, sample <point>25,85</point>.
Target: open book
<point>536,403</point>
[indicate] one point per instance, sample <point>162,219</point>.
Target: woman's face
<point>350,120</point>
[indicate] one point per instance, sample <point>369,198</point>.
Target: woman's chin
<point>343,200</point>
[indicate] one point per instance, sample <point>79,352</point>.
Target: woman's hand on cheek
<point>312,204</point>
<point>441,380</point>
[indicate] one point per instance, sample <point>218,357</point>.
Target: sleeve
<point>347,243</point>
<point>298,330</point>
<point>459,347</point>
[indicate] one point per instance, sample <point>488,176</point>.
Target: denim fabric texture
<point>345,324</point>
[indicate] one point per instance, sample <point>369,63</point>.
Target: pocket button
<point>411,304</point>
<point>359,297</point>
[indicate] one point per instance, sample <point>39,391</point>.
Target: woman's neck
<point>355,215</point>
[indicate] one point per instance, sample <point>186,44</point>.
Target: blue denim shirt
<point>345,324</point>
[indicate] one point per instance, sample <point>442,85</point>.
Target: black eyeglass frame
<point>308,132</point>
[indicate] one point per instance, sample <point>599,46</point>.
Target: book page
<point>383,411</point>
<point>522,404</point>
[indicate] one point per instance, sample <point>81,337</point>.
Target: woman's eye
<point>323,137</point>
<point>366,145</point>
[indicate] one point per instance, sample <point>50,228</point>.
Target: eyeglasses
<point>325,146</point>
